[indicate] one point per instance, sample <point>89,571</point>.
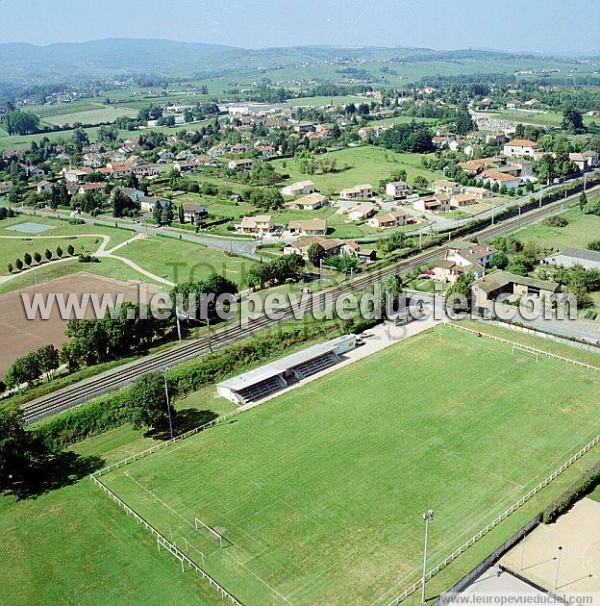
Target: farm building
<point>267,380</point>
<point>569,257</point>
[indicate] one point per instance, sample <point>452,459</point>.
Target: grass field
<point>580,231</point>
<point>181,261</point>
<point>86,112</point>
<point>319,493</point>
<point>366,165</point>
<point>109,268</point>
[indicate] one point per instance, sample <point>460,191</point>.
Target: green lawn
<point>10,250</point>
<point>86,113</point>
<point>320,492</point>
<point>542,117</point>
<point>580,231</point>
<point>366,164</point>
<point>181,261</point>
<point>64,228</point>
<point>109,268</point>
<point>72,546</point>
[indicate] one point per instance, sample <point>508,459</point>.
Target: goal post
<point>200,525</point>
<point>526,351</point>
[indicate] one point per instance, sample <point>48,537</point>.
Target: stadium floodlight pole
<point>168,402</point>
<point>427,517</point>
<point>557,567</point>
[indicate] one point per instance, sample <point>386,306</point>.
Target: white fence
<point>524,347</point>
<point>495,522</point>
<point>162,541</point>
<point>153,449</point>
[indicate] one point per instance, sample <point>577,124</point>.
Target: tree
<point>10,268</point>
<point>59,252</point>
<point>594,245</point>
<point>21,123</point>
<point>315,253</point>
<point>181,214</point>
<point>48,254</point>
<point>27,259</point>
<point>14,447</point>
<point>461,288</point>
<point>582,201</point>
<point>48,360</point>
<point>572,120</point>
<point>421,182</point>
<point>148,404</point>
<point>19,264</point>
<point>71,250</point>
<point>464,123</point>
<point>37,257</point>
<point>500,260</point>
<point>24,370</point>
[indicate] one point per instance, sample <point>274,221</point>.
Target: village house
<point>298,189</point>
<point>481,193</point>
<point>331,246</point>
<point>241,164</point>
<point>194,213</point>
<point>387,220</point>
<point>398,189</point>
<point>364,255</point>
<point>94,187</point>
<point>523,147</point>
<point>44,186</point>
<point>584,161</point>
<point>437,203</point>
<point>135,195</point>
<point>443,186</point>
<point>185,166</point>
<point>258,225</point>
<point>148,203</point>
<point>357,192</point>
<point>362,212</point>
<point>218,150</point>
<point>474,260</point>
<point>164,155</point>
<point>92,160</point>
<point>462,200</point>
<point>308,227</point>
<point>75,175</point>
<point>494,177</point>
<point>308,202</point>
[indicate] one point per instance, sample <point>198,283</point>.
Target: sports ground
<point>319,493</point>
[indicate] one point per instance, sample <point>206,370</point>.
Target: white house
<point>308,227</point>
<point>300,188</point>
<point>358,191</point>
<point>258,225</point>
<point>391,219</point>
<point>496,177</point>
<point>398,189</point>
<point>241,164</point>
<point>308,202</point>
<point>362,212</point>
<point>522,148</point>
<point>5,187</point>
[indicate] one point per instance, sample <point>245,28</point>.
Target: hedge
<point>576,491</point>
<point>110,411</point>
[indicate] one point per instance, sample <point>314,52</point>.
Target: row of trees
<point>28,259</point>
<point>411,137</point>
<point>21,123</point>
<point>28,369</point>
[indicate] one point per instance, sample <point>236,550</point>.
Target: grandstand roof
<point>278,367</point>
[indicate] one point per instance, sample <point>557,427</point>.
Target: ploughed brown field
<point>18,335</point>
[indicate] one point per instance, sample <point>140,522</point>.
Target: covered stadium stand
<point>262,382</point>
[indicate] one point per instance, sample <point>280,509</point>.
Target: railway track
<point>77,394</point>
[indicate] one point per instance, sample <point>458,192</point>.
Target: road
<point>75,395</point>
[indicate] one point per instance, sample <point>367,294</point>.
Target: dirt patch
<point>20,335</point>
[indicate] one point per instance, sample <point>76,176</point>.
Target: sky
<point>515,25</point>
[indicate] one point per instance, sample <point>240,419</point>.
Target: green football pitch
<point>319,493</point>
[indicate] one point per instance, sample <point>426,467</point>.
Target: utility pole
<point>427,517</point>
<point>557,567</point>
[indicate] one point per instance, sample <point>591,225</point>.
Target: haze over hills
<point>23,62</point>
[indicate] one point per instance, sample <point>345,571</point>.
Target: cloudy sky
<point>527,25</point>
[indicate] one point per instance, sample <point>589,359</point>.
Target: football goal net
<point>201,526</point>
<point>525,351</point>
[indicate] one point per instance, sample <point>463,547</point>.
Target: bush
<point>576,491</point>
<point>556,221</point>
<point>88,259</point>
<point>594,245</point>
